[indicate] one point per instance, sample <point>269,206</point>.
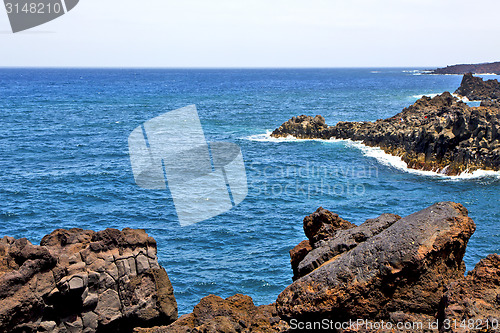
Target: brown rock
<point>475,299</point>
<point>297,254</point>
<point>404,268</point>
<point>234,314</point>
<point>343,241</point>
<point>83,281</point>
<point>323,224</point>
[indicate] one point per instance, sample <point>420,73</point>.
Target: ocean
<point>64,163</point>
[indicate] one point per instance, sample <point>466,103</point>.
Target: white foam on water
<point>396,162</point>
<point>268,138</point>
<point>428,95</point>
<point>417,71</point>
<point>462,98</point>
<point>382,157</point>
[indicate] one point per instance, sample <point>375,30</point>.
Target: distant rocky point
<point>486,68</point>
<point>441,134</point>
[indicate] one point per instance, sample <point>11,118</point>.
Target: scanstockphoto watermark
<point>465,325</point>
<point>311,179</point>
<point>357,324</point>
<point>27,14</point>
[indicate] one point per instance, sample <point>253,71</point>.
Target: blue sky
<point>260,33</point>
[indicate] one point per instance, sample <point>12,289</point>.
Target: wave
<point>417,71</point>
<point>396,162</point>
<point>382,157</point>
<point>432,95</point>
<point>268,138</point>
<point>428,95</point>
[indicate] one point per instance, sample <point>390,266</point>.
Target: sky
<point>259,33</point>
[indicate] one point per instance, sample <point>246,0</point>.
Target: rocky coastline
<point>485,68</point>
<point>381,270</point>
<point>476,89</point>
<point>441,134</point>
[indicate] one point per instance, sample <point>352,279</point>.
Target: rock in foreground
<point>234,314</point>
<point>83,281</point>
<point>474,299</point>
<point>389,268</point>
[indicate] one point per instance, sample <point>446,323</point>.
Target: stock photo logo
<point>204,179</point>
<point>27,14</point>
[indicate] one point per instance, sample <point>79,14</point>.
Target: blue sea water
<point>64,163</point>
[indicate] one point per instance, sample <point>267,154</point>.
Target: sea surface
<point>64,163</point>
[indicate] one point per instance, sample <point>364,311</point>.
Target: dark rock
<point>234,314</point>
<point>474,299</point>
<point>343,241</point>
<point>83,281</point>
<point>491,103</point>
<point>388,268</point>
<point>475,89</point>
<point>303,127</point>
<point>319,225</point>
<point>485,68</point>
<point>440,134</point>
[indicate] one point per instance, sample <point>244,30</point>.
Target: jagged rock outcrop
<point>83,281</point>
<point>476,89</point>
<point>485,68</point>
<point>303,127</point>
<point>475,299</point>
<point>343,241</point>
<point>234,314</point>
<point>388,268</point>
<point>322,224</point>
<point>440,134</point>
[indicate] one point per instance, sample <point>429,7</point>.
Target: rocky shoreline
<point>486,68</point>
<point>440,134</point>
<point>390,269</point>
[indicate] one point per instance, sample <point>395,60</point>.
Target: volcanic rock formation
<point>83,281</point>
<point>388,268</point>
<point>476,89</point>
<point>234,314</point>
<point>441,134</point>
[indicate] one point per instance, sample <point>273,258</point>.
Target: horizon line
<point>216,67</point>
